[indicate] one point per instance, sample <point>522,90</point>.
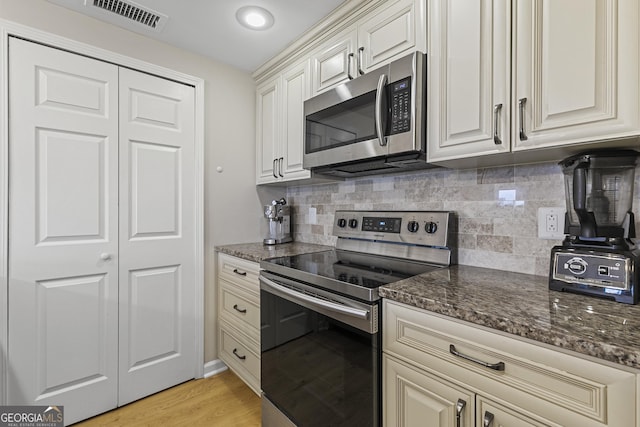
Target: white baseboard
<point>214,367</point>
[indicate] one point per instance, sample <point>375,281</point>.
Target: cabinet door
<point>335,61</point>
<point>576,71</point>
<point>295,89</point>
<point>267,131</point>
<point>468,82</point>
<point>491,414</point>
<point>388,34</point>
<point>414,398</point>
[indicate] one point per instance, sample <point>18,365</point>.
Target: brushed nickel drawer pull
<point>495,366</point>
<point>459,408</point>
<point>239,310</point>
<point>487,421</point>
<point>235,352</point>
<point>240,273</point>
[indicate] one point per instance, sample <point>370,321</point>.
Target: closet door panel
<point>63,176</point>
<point>157,237</point>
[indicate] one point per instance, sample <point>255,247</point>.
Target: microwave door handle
<point>382,82</point>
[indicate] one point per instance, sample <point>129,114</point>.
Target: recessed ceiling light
<point>254,17</point>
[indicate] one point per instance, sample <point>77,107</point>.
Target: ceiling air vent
<point>132,12</point>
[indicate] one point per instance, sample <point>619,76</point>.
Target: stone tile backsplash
<point>496,209</point>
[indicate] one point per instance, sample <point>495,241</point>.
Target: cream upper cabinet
<point>394,29</point>
<point>468,78</point>
<point>576,71</point>
<point>511,76</point>
<point>334,62</point>
<point>280,125</point>
<point>435,368</point>
<point>390,33</point>
<point>267,130</point>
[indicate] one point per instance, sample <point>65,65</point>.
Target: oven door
<point>320,355</point>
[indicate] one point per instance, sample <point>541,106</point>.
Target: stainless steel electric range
<point>321,315</point>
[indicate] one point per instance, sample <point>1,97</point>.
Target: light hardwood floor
<point>221,400</point>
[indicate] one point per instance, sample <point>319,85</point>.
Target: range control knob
<point>342,223</point>
<point>430,227</point>
<point>353,223</point>
<point>413,226</point>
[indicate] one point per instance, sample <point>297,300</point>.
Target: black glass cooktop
<point>345,271</point>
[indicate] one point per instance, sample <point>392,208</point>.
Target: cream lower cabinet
<point>522,384</point>
<point>537,75</point>
<point>239,317</point>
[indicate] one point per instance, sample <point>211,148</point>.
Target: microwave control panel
<point>400,106</point>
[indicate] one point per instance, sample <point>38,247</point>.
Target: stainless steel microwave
<point>373,124</point>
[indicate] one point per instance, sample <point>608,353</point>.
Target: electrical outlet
<point>313,219</point>
<point>551,223</point>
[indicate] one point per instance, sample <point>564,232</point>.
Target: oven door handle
<point>328,305</point>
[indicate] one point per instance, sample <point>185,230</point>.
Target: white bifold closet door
<point>101,237</point>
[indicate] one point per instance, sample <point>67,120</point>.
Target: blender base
<point>605,273</point>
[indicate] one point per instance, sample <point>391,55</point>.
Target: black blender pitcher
<point>599,191</point>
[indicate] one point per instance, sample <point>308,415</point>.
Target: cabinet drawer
<point>532,376</point>
<point>240,307</point>
<point>239,272</point>
<point>240,355</point>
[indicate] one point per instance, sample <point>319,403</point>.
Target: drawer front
<point>579,386</point>
<point>240,355</point>
<point>239,272</point>
<point>241,308</point>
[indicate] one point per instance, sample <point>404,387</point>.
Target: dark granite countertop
<point>523,305</point>
<point>256,252</point>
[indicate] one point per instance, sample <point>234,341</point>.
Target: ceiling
<point>209,27</point>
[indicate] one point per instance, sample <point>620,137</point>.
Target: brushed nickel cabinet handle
<point>239,310</point>
<point>459,408</point>
<point>487,420</point>
<point>495,366</point>
<point>280,167</point>
<point>235,352</point>
<point>521,102</point>
<point>274,168</point>
<point>239,273</point>
<point>496,117</point>
<point>360,60</point>
<point>349,58</point>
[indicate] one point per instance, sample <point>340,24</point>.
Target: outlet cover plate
<point>551,223</point>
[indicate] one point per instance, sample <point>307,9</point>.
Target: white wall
<point>232,207</point>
